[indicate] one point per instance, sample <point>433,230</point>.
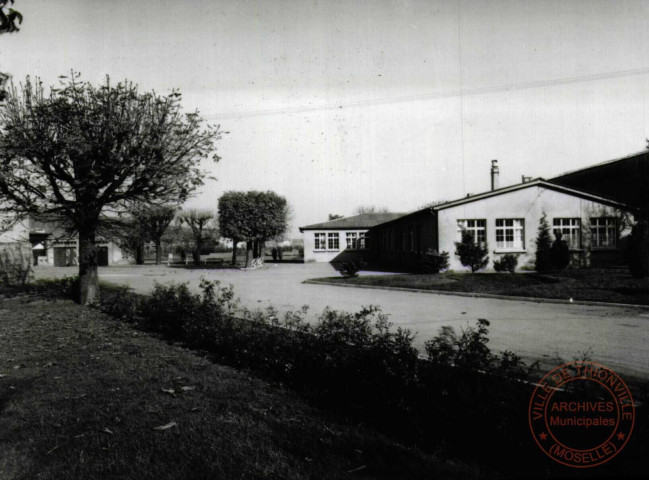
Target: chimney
<point>525,179</point>
<point>494,174</point>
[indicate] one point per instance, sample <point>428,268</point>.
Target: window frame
<point>568,230</point>
<point>336,237</point>
<point>463,224</point>
<point>594,237</point>
<point>316,242</point>
<point>351,240</point>
<point>514,228</point>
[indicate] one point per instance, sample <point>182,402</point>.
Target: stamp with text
<point>581,414</point>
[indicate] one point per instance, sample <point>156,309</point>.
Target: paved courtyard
<point>617,336</point>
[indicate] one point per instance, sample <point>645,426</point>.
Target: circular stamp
<point>581,414</point>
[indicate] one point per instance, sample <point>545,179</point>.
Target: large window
<point>351,241</point>
<point>510,233</point>
<point>320,241</point>
<point>477,229</point>
<point>332,241</point>
<point>603,232</point>
<point>570,228</point>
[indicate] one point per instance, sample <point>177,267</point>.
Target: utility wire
<point>430,96</point>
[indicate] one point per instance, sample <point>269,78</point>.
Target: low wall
<point>15,263</point>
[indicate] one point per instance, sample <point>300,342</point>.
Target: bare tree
<point>370,209</point>
<point>83,151</point>
<point>153,221</point>
<point>202,225</point>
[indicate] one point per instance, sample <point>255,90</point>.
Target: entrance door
<point>102,256</point>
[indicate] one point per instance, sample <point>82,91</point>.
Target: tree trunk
<point>139,255</point>
<point>261,249</point>
<point>197,252</point>
<point>234,251</point>
<point>88,278</point>
<point>249,253</point>
<point>158,252</point>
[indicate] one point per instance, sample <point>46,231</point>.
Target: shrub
<point>469,350</point>
<point>51,289</point>
<point>543,261</point>
<point>434,261</point>
<point>273,252</point>
<point>507,263</point>
<point>560,253</point>
<point>472,254</point>
<point>638,250</point>
<point>357,364</point>
<point>350,268</point>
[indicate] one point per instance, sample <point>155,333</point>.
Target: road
<point>617,336</point>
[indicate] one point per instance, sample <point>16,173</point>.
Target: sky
<point>340,104</point>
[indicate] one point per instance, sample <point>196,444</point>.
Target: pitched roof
<point>630,156</point>
<point>364,220</point>
<point>538,182</point>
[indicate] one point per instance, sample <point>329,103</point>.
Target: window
<point>510,233</point>
<point>570,228</point>
<point>603,232</point>
<point>351,240</point>
<point>332,241</point>
<point>361,240</point>
<point>477,229</point>
<point>412,239</point>
<point>320,241</point>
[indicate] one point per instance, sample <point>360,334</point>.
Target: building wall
<point>54,237</point>
<point>330,255</point>
<point>389,247</point>
<point>528,204</point>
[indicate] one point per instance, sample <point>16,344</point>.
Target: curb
<point>483,295</point>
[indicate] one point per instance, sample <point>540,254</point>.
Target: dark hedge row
<point>461,400</point>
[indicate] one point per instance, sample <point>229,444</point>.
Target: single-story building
<point>507,220</point>
<point>52,245</point>
<point>341,239</point>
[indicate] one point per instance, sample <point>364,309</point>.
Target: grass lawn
<point>84,396</point>
<point>602,285</point>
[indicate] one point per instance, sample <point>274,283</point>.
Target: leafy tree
<point>9,18</point>
<point>153,222</point>
<point>83,151</point>
<point>543,261</point>
<point>201,224</point>
<point>472,254</point>
<point>236,217</point>
<point>253,217</point>
<point>8,21</point>
<point>270,220</point>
